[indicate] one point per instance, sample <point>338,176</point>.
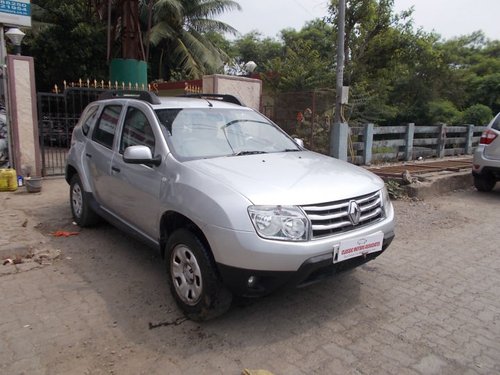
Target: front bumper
<point>246,250</point>
<point>312,270</point>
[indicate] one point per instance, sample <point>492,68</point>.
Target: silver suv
<point>486,161</point>
<point>234,205</point>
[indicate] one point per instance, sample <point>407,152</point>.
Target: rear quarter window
<point>88,119</point>
<point>496,123</point>
<point>105,129</point>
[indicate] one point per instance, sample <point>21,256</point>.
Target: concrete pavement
<point>21,240</point>
<point>429,305</point>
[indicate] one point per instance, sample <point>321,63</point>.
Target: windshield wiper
<point>248,153</point>
<point>244,120</point>
<point>291,150</point>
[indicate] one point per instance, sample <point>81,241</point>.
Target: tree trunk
<point>131,33</point>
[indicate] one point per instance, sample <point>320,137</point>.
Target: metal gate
<point>57,116</point>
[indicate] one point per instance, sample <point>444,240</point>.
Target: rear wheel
<point>194,282</point>
<point>83,214</point>
<point>484,182</point>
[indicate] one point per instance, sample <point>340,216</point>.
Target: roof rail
<point>222,97</point>
<point>147,96</point>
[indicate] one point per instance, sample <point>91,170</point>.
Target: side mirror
<point>299,141</point>
<point>140,155</point>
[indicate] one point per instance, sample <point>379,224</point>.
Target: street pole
<point>339,133</point>
<point>340,62</point>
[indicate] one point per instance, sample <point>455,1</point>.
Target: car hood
<point>289,178</point>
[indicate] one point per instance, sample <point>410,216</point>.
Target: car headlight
<point>287,223</point>
<point>386,202</point>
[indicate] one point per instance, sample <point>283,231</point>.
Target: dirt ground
<point>98,303</point>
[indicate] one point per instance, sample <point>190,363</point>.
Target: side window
<point>137,131</point>
<point>105,129</point>
<point>90,116</point>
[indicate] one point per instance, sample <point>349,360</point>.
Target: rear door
<point>99,153</point>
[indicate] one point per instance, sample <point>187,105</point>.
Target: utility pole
<point>340,61</point>
<point>338,135</point>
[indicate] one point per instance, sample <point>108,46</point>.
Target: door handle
<point>115,169</point>
<point>88,155</point>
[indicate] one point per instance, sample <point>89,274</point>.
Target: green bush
<point>478,114</point>
<point>443,111</point>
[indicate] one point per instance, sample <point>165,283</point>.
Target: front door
<point>136,187</point>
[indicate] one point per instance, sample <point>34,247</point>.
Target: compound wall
<point>248,90</point>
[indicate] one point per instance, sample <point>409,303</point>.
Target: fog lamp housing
<point>252,281</point>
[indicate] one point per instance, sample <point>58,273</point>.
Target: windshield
<point>213,132</point>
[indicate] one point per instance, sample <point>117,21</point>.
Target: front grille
<point>332,218</point>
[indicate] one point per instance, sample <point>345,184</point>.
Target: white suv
<point>234,205</point>
<point>486,161</point>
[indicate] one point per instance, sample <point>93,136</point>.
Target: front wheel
<point>484,182</point>
<point>194,282</point>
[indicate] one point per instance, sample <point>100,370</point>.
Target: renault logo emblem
<point>354,212</point>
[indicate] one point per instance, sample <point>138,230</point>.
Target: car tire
<point>83,214</point>
<point>193,278</point>
<point>484,182</point>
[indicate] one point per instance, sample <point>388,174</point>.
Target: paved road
<point>429,305</point>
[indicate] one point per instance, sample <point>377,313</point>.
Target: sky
<point>449,18</point>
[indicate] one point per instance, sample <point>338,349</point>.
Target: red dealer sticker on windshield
<point>360,246</point>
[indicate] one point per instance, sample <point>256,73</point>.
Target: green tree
<point>67,41</point>
<point>420,78</point>
<point>443,111</point>
<point>395,74</point>
<point>472,64</point>
<point>254,47</point>
<point>300,60</point>
<point>379,48</point>
<point>365,22</point>
<point>179,36</point>
<point>478,114</point>
<point>301,68</point>
<point>319,33</point>
<point>488,91</point>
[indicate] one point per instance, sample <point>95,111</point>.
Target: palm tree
<point>174,29</point>
<point>178,36</point>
